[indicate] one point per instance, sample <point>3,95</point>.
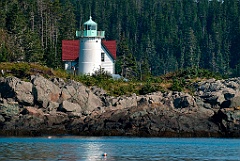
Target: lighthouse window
<point>91,27</point>
<point>102,57</point>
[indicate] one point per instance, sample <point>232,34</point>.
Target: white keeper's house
<point>91,52</point>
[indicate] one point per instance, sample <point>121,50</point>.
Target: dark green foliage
<point>24,70</point>
<point>31,45</point>
<point>86,79</point>
<point>121,90</point>
<point>177,85</point>
<point>193,73</point>
<point>101,75</point>
<point>147,88</point>
<point>152,84</point>
<point>126,63</point>
<point>20,70</point>
<point>183,79</point>
<point>3,53</point>
<point>154,37</point>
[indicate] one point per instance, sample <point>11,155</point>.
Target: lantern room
<point>90,25</point>
<point>90,30</point>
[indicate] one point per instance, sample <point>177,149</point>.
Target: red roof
<point>111,47</point>
<point>70,49</point>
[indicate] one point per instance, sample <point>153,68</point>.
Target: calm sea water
<point>119,149</point>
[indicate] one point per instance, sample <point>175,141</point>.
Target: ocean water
<point>118,149</point>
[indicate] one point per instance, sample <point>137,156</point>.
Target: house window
<point>102,57</point>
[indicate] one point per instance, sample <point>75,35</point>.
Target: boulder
<point>98,91</point>
<point>217,93</point>
<point>184,101</point>
<point>24,94</point>
<point>1,119</point>
<point>200,103</point>
<point>67,92</point>
<point>216,86</point>
<point>143,102</point>
<point>228,122</point>
<point>29,123</point>
<point>235,102</point>
<point>52,106</point>
<point>12,87</point>
<point>228,94</point>
<point>77,93</point>
<point>155,97</point>
<point>8,109</point>
<point>7,87</point>
<point>58,82</point>
<point>231,103</point>
<point>69,107</point>
<point>45,91</point>
<point>32,111</point>
<point>126,102</point>
<point>232,83</point>
<point>59,118</point>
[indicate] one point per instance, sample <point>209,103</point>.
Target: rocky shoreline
<point>41,106</point>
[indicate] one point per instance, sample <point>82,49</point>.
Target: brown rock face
<point>42,106</point>
<point>69,107</point>
<point>45,91</point>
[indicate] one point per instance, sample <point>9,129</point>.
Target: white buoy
<point>104,154</point>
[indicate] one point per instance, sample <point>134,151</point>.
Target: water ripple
<point>119,149</point>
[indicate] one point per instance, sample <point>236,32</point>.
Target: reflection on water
<point>51,149</point>
<point>92,149</point>
<point>118,148</point>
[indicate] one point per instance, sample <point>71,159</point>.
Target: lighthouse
<point>90,52</point>
<point>90,48</point>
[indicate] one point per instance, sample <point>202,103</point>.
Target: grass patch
<point>181,80</point>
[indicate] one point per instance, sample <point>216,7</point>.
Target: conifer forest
<point>154,37</point>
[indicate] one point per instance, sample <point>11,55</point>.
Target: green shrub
<point>147,88</point>
<point>101,75</point>
<point>61,73</point>
<point>177,85</point>
<point>20,70</point>
<point>86,79</point>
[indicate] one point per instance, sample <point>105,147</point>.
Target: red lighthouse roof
<point>111,47</point>
<point>71,48</point>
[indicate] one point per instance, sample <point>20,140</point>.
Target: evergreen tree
<point>32,47</point>
<point>126,60</point>
<point>155,34</point>
<point>4,48</point>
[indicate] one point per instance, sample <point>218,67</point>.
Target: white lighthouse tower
<point>90,48</point>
